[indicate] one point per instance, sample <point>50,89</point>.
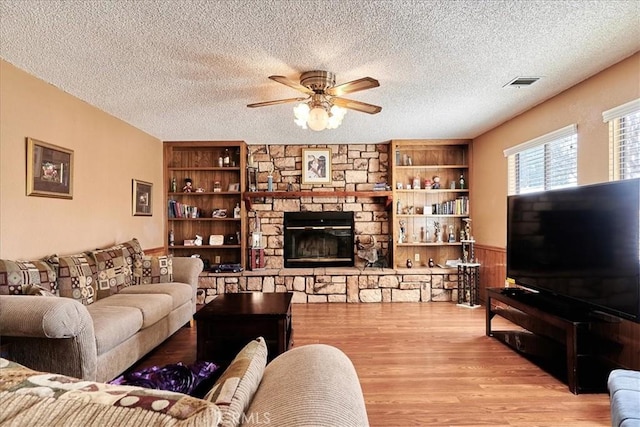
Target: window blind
<point>624,140</point>
<point>544,163</point>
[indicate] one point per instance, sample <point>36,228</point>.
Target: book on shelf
<point>459,206</point>
<point>180,210</point>
<point>380,186</point>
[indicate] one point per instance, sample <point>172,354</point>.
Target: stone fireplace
<point>318,239</point>
<point>355,167</point>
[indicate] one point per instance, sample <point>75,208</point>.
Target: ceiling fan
<point>318,108</point>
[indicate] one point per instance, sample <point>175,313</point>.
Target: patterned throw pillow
<point>37,290</point>
<point>131,250</point>
<point>114,271</point>
<point>16,275</point>
<point>153,269</point>
<point>233,391</point>
<point>76,277</point>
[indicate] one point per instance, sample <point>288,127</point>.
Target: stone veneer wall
<point>338,284</point>
<point>354,167</point>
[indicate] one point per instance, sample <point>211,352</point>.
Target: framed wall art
<point>49,170</point>
<point>141,198</point>
<point>316,166</point>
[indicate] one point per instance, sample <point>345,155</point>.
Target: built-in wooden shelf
<point>248,195</point>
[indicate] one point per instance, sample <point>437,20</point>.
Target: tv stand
<point>556,338</point>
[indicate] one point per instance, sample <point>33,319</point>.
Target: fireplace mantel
<point>248,195</point>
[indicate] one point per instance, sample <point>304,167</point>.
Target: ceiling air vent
<point>522,81</point>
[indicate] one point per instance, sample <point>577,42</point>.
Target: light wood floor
<point>429,365</point>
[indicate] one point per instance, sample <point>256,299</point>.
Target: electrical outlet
<point>416,257</point>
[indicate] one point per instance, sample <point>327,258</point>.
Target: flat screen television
<point>579,245</point>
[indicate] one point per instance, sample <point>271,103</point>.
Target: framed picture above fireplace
<point>316,166</point>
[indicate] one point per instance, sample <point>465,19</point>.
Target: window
<point>624,140</point>
<point>544,163</point>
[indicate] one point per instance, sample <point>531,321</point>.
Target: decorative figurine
<point>431,263</point>
<point>409,263</point>
<point>436,183</point>
<point>198,240</point>
<point>437,232</point>
<point>416,182</point>
<point>188,186</point>
<point>452,236</point>
<point>402,238</point>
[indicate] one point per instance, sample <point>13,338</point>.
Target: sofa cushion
<point>310,385</point>
<point>35,398</point>
<point>114,271</point>
<point>624,392</point>
<point>152,306</point>
<point>181,293</point>
<point>113,325</point>
<point>14,275</point>
<point>76,276</point>
<point>235,388</point>
<point>153,269</point>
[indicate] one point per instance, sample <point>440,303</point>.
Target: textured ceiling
<point>185,70</point>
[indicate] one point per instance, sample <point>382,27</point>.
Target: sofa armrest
<point>312,385</point>
<point>187,270</point>
<point>50,334</point>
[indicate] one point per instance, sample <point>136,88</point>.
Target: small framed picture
<point>316,166</point>
<point>49,170</point>
<point>141,192</point>
<point>234,186</point>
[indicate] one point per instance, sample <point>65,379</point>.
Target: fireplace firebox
<point>319,239</point>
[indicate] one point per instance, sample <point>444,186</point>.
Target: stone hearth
<point>336,284</point>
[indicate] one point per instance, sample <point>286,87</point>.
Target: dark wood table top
<point>247,304</point>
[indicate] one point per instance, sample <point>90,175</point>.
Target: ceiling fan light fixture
<point>335,116</point>
<point>324,108</point>
<point>318,118</point>
<point>301,114</point>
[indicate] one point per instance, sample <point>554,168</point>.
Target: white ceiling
<point>185,70</point>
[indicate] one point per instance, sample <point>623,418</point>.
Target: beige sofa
<point>97,329</point>
<point>314,385</point>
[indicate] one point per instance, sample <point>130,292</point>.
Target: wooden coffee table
<point>229,322</point>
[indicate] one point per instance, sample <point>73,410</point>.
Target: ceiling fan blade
<point>276,102</point>
<point>353,86</point>
<point>297,86</point>
<point>356,105</point>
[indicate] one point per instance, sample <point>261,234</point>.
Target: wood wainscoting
<point>493,269</point>
<point>155,251</point>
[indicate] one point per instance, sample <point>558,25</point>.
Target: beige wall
<point>108,155</point>
<point>583,105</point>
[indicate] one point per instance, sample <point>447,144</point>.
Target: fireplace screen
<point>318,239</point>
